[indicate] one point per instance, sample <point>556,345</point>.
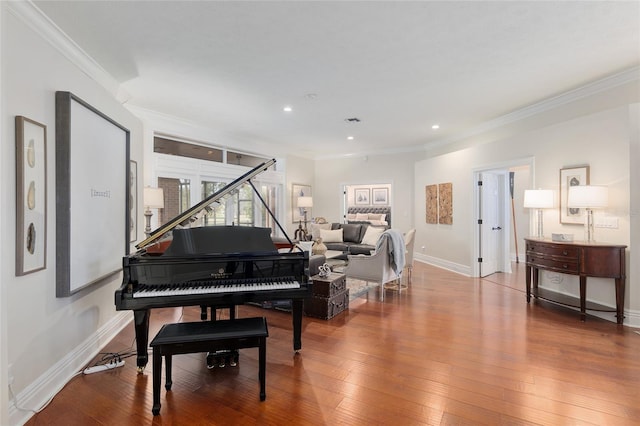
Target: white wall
<point>47,339</point>
<point>599,139</point>
<point>395,169</point>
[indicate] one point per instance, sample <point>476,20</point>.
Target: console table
<point>576,258</point>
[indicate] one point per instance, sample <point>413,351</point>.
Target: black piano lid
<point>221,240</point>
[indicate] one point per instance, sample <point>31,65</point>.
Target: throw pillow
<point>329,236</point>
<point>351,216</point>
<point>316,227</point>
<point>362,216</point>
<point>371,236</point>
<point>351,232</point>
<point>377,216</point>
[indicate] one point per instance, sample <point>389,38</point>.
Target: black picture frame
<point>92,195</point>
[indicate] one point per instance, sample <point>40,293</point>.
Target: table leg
<point>583,298</point>
<point>620,284</point>
<point>528,282</point>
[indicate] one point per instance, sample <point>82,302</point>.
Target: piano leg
<point>296,314</point>
<point>141,323</point>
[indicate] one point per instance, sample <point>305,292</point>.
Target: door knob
<point>496,228</point>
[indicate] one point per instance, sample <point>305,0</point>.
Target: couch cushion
<point>337,246</point>
<point>351,232</point>
<point>331,236</point>
<point>371,235</point>
<point>361,249</point>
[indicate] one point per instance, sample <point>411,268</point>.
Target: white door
<point>491,229</point>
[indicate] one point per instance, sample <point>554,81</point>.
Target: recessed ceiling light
<point>435,126</point>
<point>287,108</point>
<point>350,138</point>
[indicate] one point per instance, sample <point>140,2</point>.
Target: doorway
<point>498,219</point>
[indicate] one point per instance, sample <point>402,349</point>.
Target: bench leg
<point>157,377</point>
<point>168,381</point>
<point>262,364</point>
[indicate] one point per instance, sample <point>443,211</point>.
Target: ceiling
<point>399,67</point>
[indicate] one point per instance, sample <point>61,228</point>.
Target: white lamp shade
<point>588,196</point>
<point>305,202</point>
<point>538,198</point>
<point>153,198</point>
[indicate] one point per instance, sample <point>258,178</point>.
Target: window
<point>179,164</point>
<point>243,200</point>
<point>217,216</point>
<point>269,195</point>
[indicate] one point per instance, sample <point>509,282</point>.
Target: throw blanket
<point>395,243</point>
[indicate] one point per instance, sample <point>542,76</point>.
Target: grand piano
<point>184,264</point>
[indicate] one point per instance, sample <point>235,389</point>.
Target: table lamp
<point>538,199</point>
<point>304,203</point>
<point>588,197</point>
<point>153,199</point>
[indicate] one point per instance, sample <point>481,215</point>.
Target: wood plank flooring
<point>450,350</point>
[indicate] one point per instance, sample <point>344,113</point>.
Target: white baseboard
<point>55,378</point>
<point>444,264</point>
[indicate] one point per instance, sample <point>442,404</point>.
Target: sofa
<point>350,238</point>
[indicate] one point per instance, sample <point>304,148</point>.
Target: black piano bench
<point>207,336</point>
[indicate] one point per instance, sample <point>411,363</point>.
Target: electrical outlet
<point>10,374</point>
<point>606,222</point>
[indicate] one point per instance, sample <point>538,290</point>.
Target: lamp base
<point>147,215</point>
<point>589,235</point>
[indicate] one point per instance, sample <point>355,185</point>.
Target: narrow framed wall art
<point>31,196</point>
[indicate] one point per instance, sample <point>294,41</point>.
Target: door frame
<point>501,167</point>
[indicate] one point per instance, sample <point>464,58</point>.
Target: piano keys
<point>216,266</point>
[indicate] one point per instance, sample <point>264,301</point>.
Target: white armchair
<point>376,268</point>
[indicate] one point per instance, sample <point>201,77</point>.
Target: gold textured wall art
<point>431,195</point>
<point>445,198</point>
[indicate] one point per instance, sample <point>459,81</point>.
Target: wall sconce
<point>588,197</point>
<point>538,199</point>
<point>153,199</point>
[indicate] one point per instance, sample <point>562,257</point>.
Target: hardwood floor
<point>451,350</point>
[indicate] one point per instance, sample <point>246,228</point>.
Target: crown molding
<point>590,89</point>
<point>35,19</point>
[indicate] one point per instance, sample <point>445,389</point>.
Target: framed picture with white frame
<point>361,196</point>
<point>380,196</point>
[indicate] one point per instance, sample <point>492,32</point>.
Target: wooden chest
<point>326,307</point>
<point>328,286</point>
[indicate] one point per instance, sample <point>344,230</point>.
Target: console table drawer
<point>568,266</point>
<point>553,250</point>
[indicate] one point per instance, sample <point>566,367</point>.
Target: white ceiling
<point>397,66</point>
